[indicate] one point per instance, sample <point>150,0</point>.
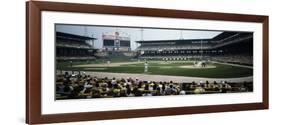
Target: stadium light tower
<point>116,29</point>
<point>181,36</point>
<point>86,31</point>
<point>141,34</point>
<point>117,38</point>
<point>87,35</point>
<point>93,44</point>
<point>201,51</point>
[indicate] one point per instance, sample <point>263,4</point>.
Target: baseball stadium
<point>108,62</point>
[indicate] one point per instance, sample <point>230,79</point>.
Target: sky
<point>135,33</point>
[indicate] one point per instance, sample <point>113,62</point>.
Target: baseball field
<point>169,68</point>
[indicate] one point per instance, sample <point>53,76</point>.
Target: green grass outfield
<point>162,68</point>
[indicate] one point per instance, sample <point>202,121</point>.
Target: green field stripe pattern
<point>163,68</point>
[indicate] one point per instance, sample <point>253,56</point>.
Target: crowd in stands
<point>101,54</point>
<point>171,57</point>
<point>79,86</point>
<point>173,47</point>
<point>242,59</point>
<point>236,59</point>
<point>72,44</point>
<point>76,58</point>
<point>130,54</point>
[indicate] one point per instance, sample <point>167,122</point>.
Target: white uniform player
<point>108,63</point>
<point>145,67</point>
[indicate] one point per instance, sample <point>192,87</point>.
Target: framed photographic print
<point>94,62</point>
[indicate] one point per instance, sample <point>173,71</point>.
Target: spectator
<point>84,86</point>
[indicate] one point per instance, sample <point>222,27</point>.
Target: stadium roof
<point>219,37</point>
<point>73,36</point>
<point>176,40</point>
<point>227,34</point>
